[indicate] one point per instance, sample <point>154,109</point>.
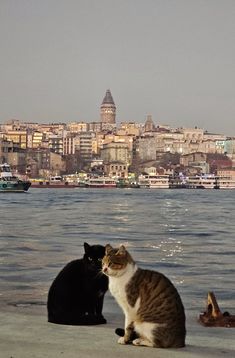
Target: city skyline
<point>172,60</point>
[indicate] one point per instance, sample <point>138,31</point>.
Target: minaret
<point>108,109</point>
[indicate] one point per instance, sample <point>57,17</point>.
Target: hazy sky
<point>173,59</point>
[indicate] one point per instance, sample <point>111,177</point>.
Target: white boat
<point>100,182</point>
<point>154,181</point>
<point>143,181</point>
<point>159,181</point>
<point>10,182</point>
<point>201,182</point>
<point>53,182</point>
<point>225,182</point>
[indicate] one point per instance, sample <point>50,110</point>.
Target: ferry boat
<point>159,182</point>
<point>125,183</point>
<point>143,181</point>
<point>225,182</point>
<point>154,181</point>
<point>53,182</point>
<point>201,182</point>
<point>100,182</point>
<point>206,181</point>
<point>10,182</point>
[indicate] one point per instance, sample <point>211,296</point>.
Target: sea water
<point>186,234</point>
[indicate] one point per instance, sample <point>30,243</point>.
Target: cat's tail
<point>121,332</point>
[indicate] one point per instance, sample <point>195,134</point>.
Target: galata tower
<point>108,109</point>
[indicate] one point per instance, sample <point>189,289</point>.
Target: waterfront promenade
<point>25,333</point>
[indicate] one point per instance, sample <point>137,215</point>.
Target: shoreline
<point>25,333</point>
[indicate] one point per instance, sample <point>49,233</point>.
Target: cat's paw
<point>142,342</point>
<point>101,320</point>
<point>121,340</point>
<point>137,342</point>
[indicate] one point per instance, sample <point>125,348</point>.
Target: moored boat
<point>204,181</point>
<point>125,183</point>
<point>201,182</point>
<point>225,182</point>
<point>100,182</point>
<point>160,181</point>
<point>143,181</point>
<point>53,182</point>
<point>11,183</point>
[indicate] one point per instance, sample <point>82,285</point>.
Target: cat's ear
<point>86,247</point>
<point>108,248</point>
<point>121,250</point>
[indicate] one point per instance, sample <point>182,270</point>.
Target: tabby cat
<point>154,313</point>
<point>77,293</point>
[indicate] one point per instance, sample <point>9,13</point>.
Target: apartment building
<point>18,136</point>
<point>86,145</point>
<point>77,127</point>
<point>55,144</point>
<point>116,152</point>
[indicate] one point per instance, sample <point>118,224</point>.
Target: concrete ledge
<point>24,334</point>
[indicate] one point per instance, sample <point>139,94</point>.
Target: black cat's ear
<point>86,247</point>
<point>108,248</point>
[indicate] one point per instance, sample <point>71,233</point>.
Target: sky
<point>172,59</point>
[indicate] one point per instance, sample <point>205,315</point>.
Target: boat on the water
<point>125,183</point>
<point>53,182</point>
<point>204,181</point>
<point>10,183</point>
<point>225,181</point>
<point>100,182</point>
<point>143,181</point>
<point>207,181</point>
<point>159,181</point>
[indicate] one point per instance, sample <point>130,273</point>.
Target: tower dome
<point>149,124</point>
<point>108,109</point>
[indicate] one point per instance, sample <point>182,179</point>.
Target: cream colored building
<point>226,172</point>
<point>37,139</point>
<point>129,128</point>
<point>69,144</point>
<point>116,169</point>
<point>188,159</point>
<point>145,148</point>
<point>116,152</point>
<point>18,136</point>
<point>76,127</point>
<point>192,134</point>
<point>214,137</point>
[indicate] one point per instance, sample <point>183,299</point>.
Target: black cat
<point>76,295</point>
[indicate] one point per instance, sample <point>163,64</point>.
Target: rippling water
<point>186,234</point>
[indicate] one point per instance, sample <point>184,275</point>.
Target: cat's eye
<point>90,259</point>
<point>100,259</point>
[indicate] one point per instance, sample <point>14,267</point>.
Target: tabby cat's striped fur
<point>152,306</point>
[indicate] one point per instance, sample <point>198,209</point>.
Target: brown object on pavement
<point>213,317</point>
